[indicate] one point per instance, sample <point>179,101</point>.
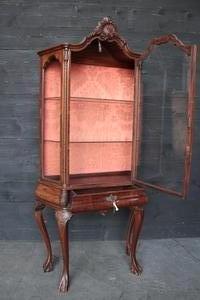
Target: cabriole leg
<point>137,221</point>
<point>130,224</point>
<point>48,264</point>
<point>62,217</point>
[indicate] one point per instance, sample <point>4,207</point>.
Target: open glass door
<point>165,112</point>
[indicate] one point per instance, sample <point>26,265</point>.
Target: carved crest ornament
<point>106,30</point>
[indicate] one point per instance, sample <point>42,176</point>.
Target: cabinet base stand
<point>63,215</point>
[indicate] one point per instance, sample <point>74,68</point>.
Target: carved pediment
<point>106,30</point>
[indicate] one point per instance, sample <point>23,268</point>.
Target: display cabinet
<point>113,122</point>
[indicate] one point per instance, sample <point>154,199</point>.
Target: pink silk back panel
<point>101,119</point>
<point>101,112</point>
<point>52,95</point>
<point>52,80</point>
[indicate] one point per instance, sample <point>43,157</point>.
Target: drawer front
<point>104,200</point>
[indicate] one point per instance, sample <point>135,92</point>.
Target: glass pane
<point>51,134</point>
<point>164,118</point>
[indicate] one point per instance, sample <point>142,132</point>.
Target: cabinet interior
<point>101,111</point>
<point>101,118</point>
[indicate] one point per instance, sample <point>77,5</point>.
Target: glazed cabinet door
<point>165,109</point>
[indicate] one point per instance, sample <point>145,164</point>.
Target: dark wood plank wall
<point>27,26</point>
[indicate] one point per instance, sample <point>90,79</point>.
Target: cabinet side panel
<point>51,119</point>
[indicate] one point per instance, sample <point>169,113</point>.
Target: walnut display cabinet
<point>113,122</point>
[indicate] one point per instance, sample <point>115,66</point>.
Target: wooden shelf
<point>82,99</point>
<point>98,142</point>
<point>91,99</point>
<point>89,142</point>
<point>47,140</point>
<point>52,98</point>
<point>100,179</point>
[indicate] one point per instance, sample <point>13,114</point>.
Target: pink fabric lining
<point>52,89</point>
<point>52,120</point>
<point>101,121</point>
<point>52,81</point>
<point>51,158</point>
<point>101,82</point>
<point>99,157</point>
<point>96,116</point>
<point>95,119</point>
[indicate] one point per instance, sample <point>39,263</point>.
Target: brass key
<point>115,206</point>
<point>113,199</point>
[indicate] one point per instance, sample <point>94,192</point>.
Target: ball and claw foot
<point>136,268</point>
<point>64,284</point>
<point>48,265</point>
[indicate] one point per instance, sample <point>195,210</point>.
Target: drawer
<point>102,198</point>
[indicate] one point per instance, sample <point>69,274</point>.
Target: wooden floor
<point>100,271</point>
